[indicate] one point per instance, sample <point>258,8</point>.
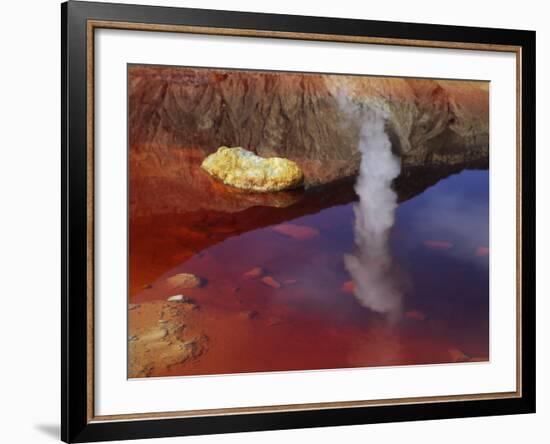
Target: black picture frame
<point>76,424</point>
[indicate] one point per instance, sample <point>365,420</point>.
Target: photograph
<point>296,221</point>
<point>265,222</point>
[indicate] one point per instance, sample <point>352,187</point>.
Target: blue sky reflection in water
<point>440,246</point>
<point>441,239</point>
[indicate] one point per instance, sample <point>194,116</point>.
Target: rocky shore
<point>300,117</point>
<point>163,334</point>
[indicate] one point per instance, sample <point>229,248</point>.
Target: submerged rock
<point>271,282</point>
<point>243,169</point>
<point>184,280</point>
<point>348,287</point>
<point>298,232</point>
<point>255,272</point>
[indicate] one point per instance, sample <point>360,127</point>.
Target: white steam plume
<point>371,265</point>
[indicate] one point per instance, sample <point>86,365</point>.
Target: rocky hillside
<point>298,116</point>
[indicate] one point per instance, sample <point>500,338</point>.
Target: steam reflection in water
<point>371,266</point>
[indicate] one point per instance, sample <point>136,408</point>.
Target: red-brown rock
<point>298,232</point>
<point>271,282</point>
<point>348,287</point>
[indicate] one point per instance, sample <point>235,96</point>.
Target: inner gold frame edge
<point>96,24</point>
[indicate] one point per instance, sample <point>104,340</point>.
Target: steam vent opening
<point>286,221</point>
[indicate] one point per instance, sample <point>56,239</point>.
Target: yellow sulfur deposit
<point>244,169</point>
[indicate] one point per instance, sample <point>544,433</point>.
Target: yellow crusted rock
<point>244,169</point>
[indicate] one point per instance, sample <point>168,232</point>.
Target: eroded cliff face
<point>299,116</point>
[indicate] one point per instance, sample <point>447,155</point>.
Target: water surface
<point>439,253</point>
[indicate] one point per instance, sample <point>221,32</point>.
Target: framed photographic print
<point>275,221</point>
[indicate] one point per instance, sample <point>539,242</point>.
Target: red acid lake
<point>296,309</point>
